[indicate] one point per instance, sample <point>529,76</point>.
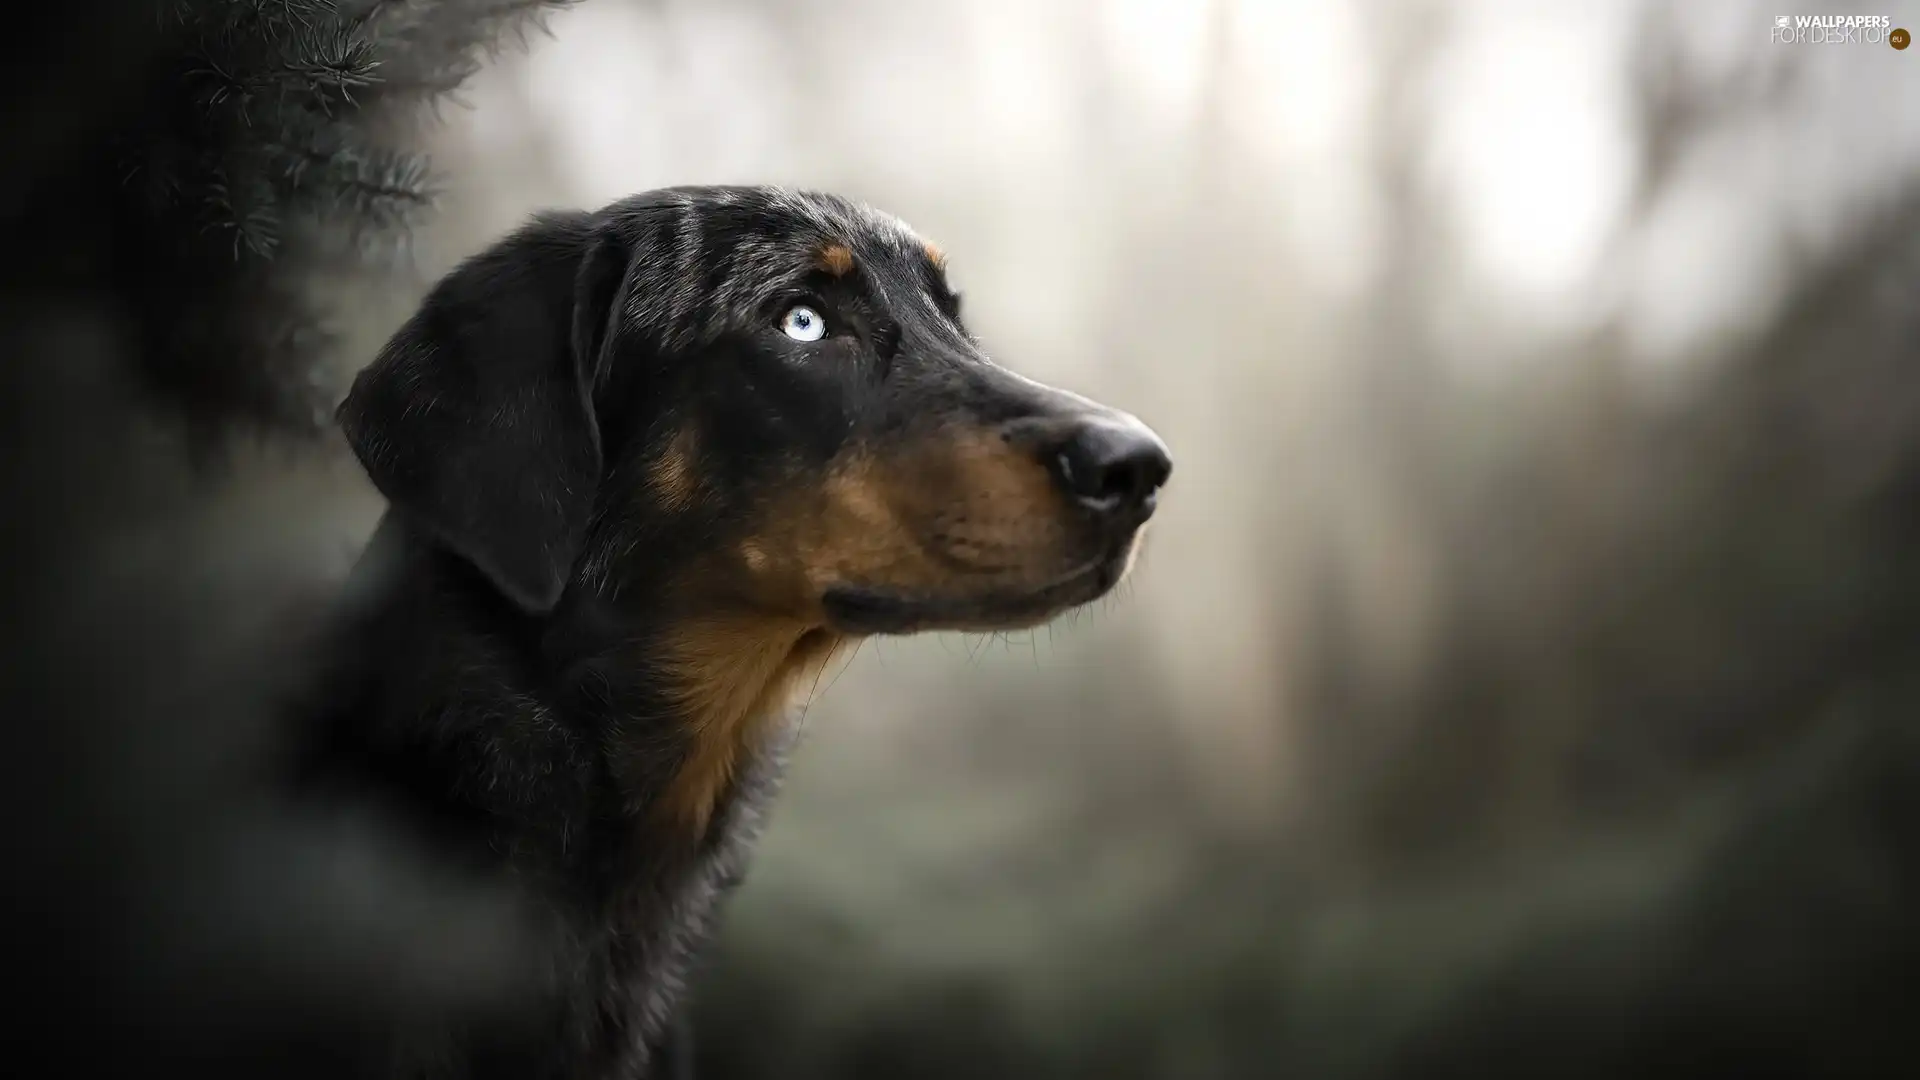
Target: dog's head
<point>745,399</point>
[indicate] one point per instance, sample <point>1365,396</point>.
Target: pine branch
<point>430,47</point>
<point>246,210</point>
<point>369,187</point>
<point>256,162</point>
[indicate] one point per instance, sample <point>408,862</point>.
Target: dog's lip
<point>858,609</point>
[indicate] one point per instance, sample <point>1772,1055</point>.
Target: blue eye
<point>802,323</point>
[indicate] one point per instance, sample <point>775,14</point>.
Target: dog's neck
<point>713,681</point>
<point>678,693</point>
<point>726,677</point>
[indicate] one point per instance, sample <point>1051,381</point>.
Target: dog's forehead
<point>716,251</point>
<point>798,224</point>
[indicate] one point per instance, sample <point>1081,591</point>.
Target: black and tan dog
<point>649,469</point>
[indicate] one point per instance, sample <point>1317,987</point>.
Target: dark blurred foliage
<point>274,134</point>
<point>177,174</point>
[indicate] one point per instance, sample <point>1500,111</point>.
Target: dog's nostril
<point>1112,465</point>
<point>1129,479</point>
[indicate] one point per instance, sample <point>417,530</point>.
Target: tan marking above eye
<point>934,254</point>
<point>836,259</point>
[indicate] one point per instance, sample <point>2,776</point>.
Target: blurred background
<point>1525,662</point>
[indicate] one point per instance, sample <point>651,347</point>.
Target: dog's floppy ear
<point>477,420</point>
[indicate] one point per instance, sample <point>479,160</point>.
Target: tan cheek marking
<point>969,496</point>
<point>854,490</point>
<point>1016,490</point>
<point>857,535</point>
<point>934,254</point>
<point>836,259</point>
<point>732,676</point>
<point>1001,470</point>
<point>674,476</point>
<point>902,520</point>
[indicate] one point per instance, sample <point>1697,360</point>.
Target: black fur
<point>579,432</point>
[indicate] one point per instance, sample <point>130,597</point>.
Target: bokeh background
<point>1523,669</point>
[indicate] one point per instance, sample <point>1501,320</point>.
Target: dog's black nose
<point>1113,465</point>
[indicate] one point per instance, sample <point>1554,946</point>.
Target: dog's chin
<point>865,610</point>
